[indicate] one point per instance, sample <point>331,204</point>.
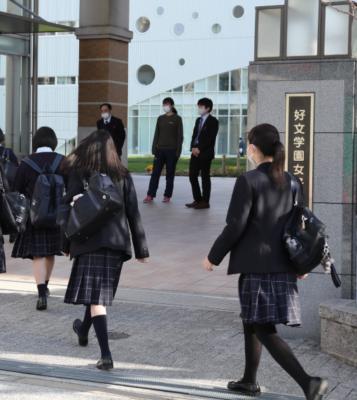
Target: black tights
<point>258,335</point>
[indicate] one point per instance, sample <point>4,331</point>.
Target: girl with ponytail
<point>261,205</point>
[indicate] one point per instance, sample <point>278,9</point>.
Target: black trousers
<point>163,157</point>
<point>198,164</point>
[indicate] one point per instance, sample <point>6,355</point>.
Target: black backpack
<point>9,167</point>
<point>47,194</point>
<point>305,239</point>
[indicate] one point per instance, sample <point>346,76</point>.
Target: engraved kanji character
<point>299,155</point>
<point>299,169</point>
<point>299,141</point>
<point>299,129</point>
<point>299,115</point>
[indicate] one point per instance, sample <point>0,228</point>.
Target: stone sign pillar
<point>103,62</point>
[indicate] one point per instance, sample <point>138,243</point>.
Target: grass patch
<point>139,164</point>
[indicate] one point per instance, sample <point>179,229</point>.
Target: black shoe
<point>105,363</point>
<point>318,387</point>
<point>41,304</point>
<point>82,340</point>
<point>251,389</point>
<point>48,292</point>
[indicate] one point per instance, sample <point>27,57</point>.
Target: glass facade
<point>229,93</point>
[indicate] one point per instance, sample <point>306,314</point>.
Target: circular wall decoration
<point>238,12</point>
<point>179,29</point>
<point>195,15</point>
<point>145,75</point>
<point>160,11</point>
<point>181,62</point>
<point>142,24</point>
<point>216,29</point>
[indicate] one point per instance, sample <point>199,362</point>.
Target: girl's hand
<point>143,260</point>
<point>66,255</point>
<point>207,264</point>
<point>303,276</point>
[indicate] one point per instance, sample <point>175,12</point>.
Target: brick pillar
<point>103,62</point>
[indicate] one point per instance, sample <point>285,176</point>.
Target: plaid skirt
<point>37,242</point>
<point>95,278</point>
<point>270,298</point>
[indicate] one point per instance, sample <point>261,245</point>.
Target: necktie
<point>199,131</point>
<point>106,122</point>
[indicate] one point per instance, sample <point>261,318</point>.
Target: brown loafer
<point>192,205</point>
<point>202,205</point>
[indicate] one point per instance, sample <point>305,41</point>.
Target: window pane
<point>245,80</point>
<point>212,83</point>
<point>222,137</point>
<point>61,80</point>
<point>41,81</point>
<point>201,85</point>
<point>190,87</point>
<point>145,146</point>
<point>178,89</point>
<point>155,111</point>
<point>235,109</point>
<point>336,31</point>
<point>133,135</point>
<point>50,81</point>
<point>224,82</point>
<point>235,80</point>
<point>303,18</point>
<point>269,33</point>
<point>133,112</point>
<point>72,80</point>
<point>234,136</point>
<point>144,111</point>
<point>223,110</point>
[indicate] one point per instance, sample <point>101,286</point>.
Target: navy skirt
<point>270,298</point>
<point>95,278</point>
<point>37,242</point>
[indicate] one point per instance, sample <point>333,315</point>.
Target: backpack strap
<point>2,188</point>
<point>294,189</point>
<point>3,155</point>
<point>56,162</point>
<point>7,151</point>
<point>32,164</point>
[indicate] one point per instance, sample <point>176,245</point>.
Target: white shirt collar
<point>205,117</point>
<point>44,150</point>
<point>105,120</point>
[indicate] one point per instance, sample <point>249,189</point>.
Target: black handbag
<point>305,239</point>
<point>99,203</point>
<point>14,211</point>
<point>9,167</point>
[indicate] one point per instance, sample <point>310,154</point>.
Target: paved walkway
<point>179,240</point>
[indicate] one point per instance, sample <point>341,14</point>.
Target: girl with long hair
<point>261,205</point>
<point>98,262</point>
<point>166,148</point>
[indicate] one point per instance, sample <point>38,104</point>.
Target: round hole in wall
<point>160,11</point>
<point>195,15</point>
<point>142,24</point>
<point>238,12</point>
<point>181,62</point>
<point>179,29</point>
<point>146,75</point>
<point>216,29</point>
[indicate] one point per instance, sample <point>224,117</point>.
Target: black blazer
<point>115,234</point>
<point>256,219</point>
<point>207,139</point>
<point>116,130</point>
<point>26,177</point>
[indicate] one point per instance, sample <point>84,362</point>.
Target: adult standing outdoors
<point>98,262</point>
<point>112,125</point>
<point>202,145</point>
<point>166,147</point>
<point>261,205</point>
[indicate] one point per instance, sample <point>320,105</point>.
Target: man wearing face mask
<point>113,125</point>
<point>202,145</point>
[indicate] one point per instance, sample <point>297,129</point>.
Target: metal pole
<point>28,10</point>
<point>34,74</point>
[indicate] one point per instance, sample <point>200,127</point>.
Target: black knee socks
<point>41,290</point>
<point>86,324</point>
<point>282,354</point>
<point>101,329</point>
<point>253,352</point>
<point>47,284</point>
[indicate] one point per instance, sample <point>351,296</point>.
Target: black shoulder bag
<point>305,239</point>
<point>9,167</point>
<point>14,211</point>
<point>91,212</point>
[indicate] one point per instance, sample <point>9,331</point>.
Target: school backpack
<point>305,239</point>
<point>9,167</point>
<point>47,194</point>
